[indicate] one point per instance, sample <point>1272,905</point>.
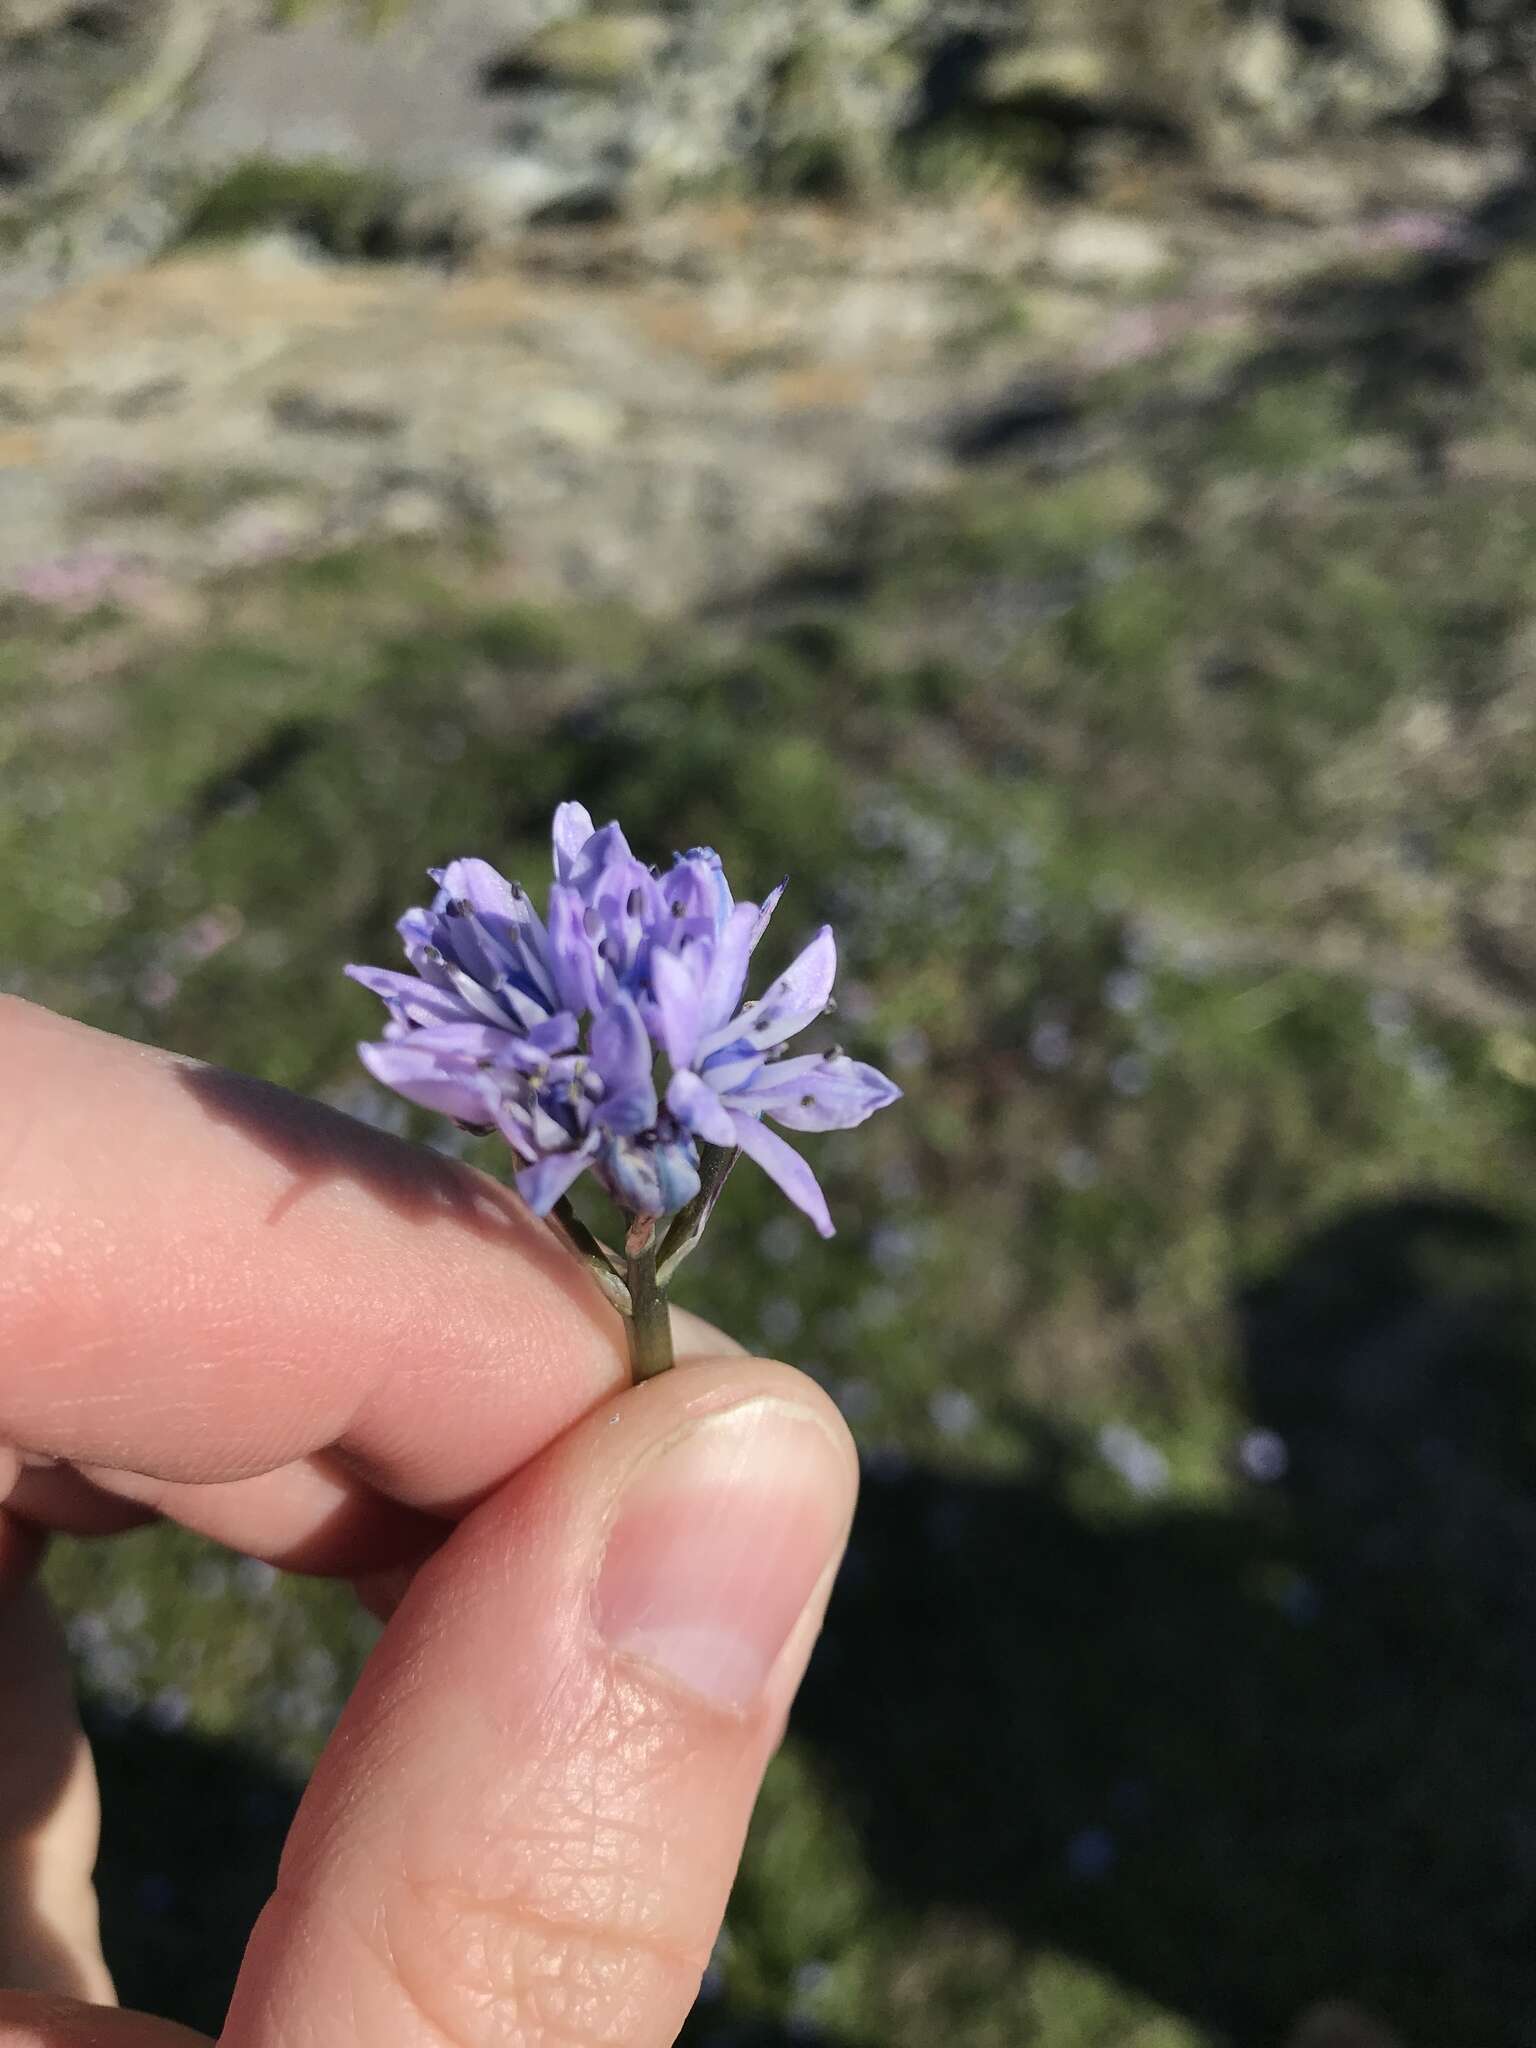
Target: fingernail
<point>719,1544</point>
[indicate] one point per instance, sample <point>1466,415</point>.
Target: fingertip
<point>725,1526</point>
<point>722,1374</point>
<point>32,2020</point>
<point>789,1383</point>
<point>553,1752</point>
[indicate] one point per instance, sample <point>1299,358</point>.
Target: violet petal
<point>770,905</point>
<point>542,1185</point>
<point>418,935</point>
<point>556,1034</point>
<point>707,865</point>
<point>699,1109</point>
<point>622,1057</point>
<point>601,850</point>
<point>476,883</point>
<point>731,1068</point>
<point>650,1178</point>
<point>573,960</point>
<point>817,1093</point>
<point>423,1077</point>
<point>784,1167</point>
<point>798,997</point>
<point>695,892</point>
<point>679,1007</point>
<point>728,970</point>
<point>573,827</point>
<point>411,999</point>
<point>629,903</point>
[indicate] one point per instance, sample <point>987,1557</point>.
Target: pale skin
<point>330,1350</point>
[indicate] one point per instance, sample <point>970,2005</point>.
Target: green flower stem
<point>650,1319</point>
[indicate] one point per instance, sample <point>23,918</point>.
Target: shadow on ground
<point>192,1831</point>
<point>1258,1754</point>
<point>1241,1757</point>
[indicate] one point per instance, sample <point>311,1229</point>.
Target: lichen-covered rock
<point>79,87</point>
<point>500,112</point>
<point>1220,73</point>
<point>468,121</point>
<point>30,17</point>
<point>1392,56</point>
<point>87,95</point>
<point>598,51</point>
<point>798,97</point>
<point>825,96</point>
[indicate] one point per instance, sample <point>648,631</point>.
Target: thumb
<point>526,1827</point>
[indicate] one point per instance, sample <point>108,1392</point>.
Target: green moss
<point>815,145</point>
<point>982,150</point>
<point>347,210</point>
<point>371,14</point>
<point>1506,309</point>
<point>187,498</point>
<point>594,52</point>
<point>1287,426</point>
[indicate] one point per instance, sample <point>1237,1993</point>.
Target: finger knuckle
<point>562,1927</point>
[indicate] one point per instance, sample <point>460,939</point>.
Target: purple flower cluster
<point>548,1028</point>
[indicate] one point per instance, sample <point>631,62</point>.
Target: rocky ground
<point>665,413</point>
<point>401,283</point>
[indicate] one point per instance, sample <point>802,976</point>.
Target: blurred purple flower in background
<point>548,1028</point>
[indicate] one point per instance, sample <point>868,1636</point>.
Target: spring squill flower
<point>548,1029</point>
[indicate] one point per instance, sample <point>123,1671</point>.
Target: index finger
<point>203,1278</point>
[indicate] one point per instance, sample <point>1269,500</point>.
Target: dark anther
<point>634,902</point>
<point>459,907</point>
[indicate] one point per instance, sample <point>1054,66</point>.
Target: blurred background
<point>1058,476</point>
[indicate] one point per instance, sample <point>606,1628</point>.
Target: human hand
<point>343,1355</point>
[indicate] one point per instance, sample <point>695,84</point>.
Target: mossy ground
<point>1172,791</point>
<point>341,208</point>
